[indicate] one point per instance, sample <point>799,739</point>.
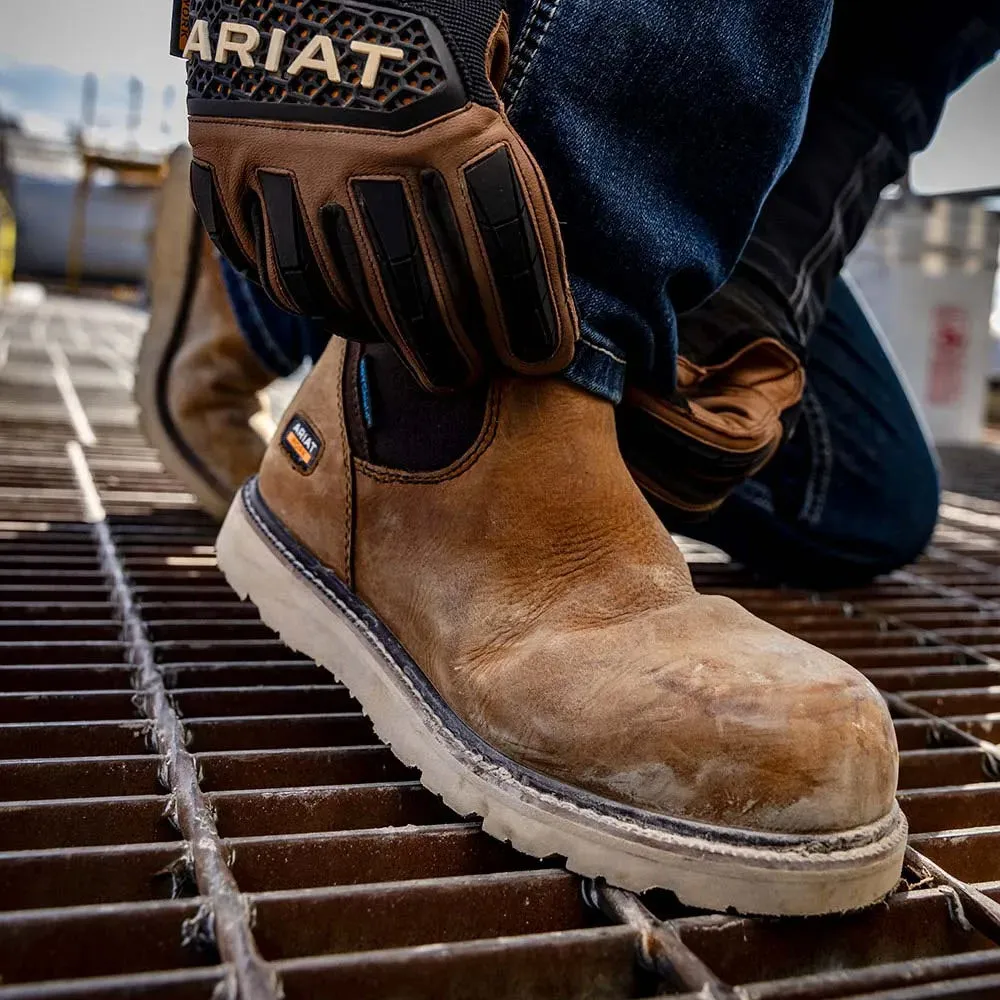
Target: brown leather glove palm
<point>355,160</point>
<point>738,394</point>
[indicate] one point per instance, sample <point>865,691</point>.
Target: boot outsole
<point>177,259</point>
<point>706,866</point>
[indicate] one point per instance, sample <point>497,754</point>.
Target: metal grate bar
<point>228,913</point>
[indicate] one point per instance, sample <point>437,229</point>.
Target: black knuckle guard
<point>451,250</point>
<point>411,299</point>
<point>300,273</point>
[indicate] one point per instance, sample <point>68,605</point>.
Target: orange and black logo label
<point>302,444</point>
<point>180,29</point>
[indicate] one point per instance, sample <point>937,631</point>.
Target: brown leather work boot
<point>484,575</point>
<point>197,382</point>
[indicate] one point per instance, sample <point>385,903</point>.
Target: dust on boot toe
<point>197,382</point>
<point>520,627</point>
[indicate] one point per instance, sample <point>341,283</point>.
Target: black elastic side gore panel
<point>514,256</point>
<point>354,419</point>
<point>209,208</point>
<point>344,250</point>
<point>300,273</point>
<point>412,429</point>
<point>440,215</point>
<point>407,284</point>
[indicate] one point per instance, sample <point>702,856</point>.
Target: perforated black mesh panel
<point>400,83</point>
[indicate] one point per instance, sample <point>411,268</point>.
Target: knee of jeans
<point>897,514</point>
<point>884,525</point>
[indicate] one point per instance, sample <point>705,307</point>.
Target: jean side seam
<point>821,473</point>
<point>827,243</point>
<point>758,495</point>
<point>536,27</point>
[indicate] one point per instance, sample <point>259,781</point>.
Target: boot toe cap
<point>776,735</point>
<point>718,718</point>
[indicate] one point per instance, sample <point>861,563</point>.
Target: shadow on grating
<point>186,804</point>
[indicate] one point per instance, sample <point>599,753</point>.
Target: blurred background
<point>91,102</point>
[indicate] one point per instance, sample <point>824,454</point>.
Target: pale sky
<point>115,39</point>
<point>106,36</point>
<point>965,154</point>
<point>120,38</point>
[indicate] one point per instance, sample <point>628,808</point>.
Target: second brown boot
<point>197,381</point>
<point>486,578</point>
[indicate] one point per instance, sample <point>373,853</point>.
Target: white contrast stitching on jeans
<point>799,299</point>
<point>536,18</point>
<point>822,451</point>
<point>602,350</point>
<point>518,58</point>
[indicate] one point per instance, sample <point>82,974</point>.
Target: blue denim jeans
<point>660,126</point>
<point>877,99</point>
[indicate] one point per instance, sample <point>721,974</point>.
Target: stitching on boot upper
<point>345,445</point>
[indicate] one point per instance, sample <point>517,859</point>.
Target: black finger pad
<point>209,208</point>
<point>300,273</point>
<point>514,257</point>
<point>393,236</point>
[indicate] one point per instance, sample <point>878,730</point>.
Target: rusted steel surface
<point>188,809</point>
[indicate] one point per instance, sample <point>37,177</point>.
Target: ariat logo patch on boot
<point>302,444</point>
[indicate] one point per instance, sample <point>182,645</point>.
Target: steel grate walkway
<point>191,810</point>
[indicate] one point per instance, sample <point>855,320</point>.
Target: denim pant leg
<point>855,491</point>
<point>878,98</point>
<point>281,342</point>
<point>660,126</point>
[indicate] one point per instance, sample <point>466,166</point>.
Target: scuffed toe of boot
<point>698,711</point>
<point>741,726</point>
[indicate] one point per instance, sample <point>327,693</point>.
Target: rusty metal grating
<point>187,809</point>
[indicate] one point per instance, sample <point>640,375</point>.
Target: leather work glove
<point>356,161</point>
<point>738,395</point>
